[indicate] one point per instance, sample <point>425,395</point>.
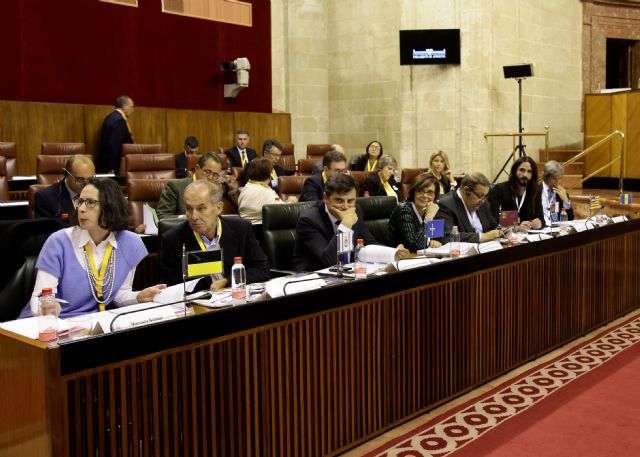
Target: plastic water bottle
<point>238,282</point>
<point>360,269</point>
<point>47,316</point>
<point>454,244</point>
<point>366,193</point>
<point>564,222</point>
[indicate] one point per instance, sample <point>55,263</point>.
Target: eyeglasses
<point>88,202</point>
<point>342,171</point>
<point>374,146</point>
<point>211,174</point>
<point>79,181</point>
<point>479,196</point>
<point>428,193</point>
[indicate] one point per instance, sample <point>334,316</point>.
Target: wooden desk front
<point>316,373</point>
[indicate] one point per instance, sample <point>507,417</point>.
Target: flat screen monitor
<point>430,47</point>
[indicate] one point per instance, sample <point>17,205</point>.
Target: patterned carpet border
<point>459,426</point>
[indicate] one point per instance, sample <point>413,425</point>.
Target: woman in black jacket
<point>369,160</point>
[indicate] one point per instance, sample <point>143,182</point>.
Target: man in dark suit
<point>209,167</point>
<point>518,194</point>
<point>57,199</point>
<point>204,229</point>
<point>552,192</point>
<point>240,155</point>
<point>468,209</point>
<point>316,244</point>
<point>116,131</point>
<point>182,163</point>
<point>313,188</point>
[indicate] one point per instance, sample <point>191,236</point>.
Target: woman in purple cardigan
<point>91,264</point>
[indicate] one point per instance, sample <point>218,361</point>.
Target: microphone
<point>284,288</point>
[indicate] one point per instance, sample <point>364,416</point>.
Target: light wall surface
<point>336,70</point>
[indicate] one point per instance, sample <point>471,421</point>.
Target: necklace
<point>98,280</point>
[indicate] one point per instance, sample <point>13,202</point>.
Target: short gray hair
<point>551,169</point>
<point>475,179</point>
<point>215,190</point>
<point>387,160</point>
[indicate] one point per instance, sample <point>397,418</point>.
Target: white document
<point>276,287</point>
<point>490,246</point>
<point>219,299</point>
<point>617,219</point>
<point>445,249</point>
<point>377,254</point>
<point>150,220</point>
<point>408,264</point>
<point>175,293</point>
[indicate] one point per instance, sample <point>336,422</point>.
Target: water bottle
<point>360,269</point>
<point>454,244</point>
<point>238,282</point>
<point>297,172</point>
<point>366,193</point>
<point>47,316</point>
<point>564,222</point>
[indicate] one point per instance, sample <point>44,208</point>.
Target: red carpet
<point>585,402</point>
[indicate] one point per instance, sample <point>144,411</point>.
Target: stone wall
<point>417,110</point>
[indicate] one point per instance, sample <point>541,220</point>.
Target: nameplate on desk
<point>23,178</point>
<point>10,204</point>
<point>144,317</point>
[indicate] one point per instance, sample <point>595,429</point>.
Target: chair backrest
<point>317,150</point>
<point>406,177</point>
<point>376,212</point>
<point>288,160</point>
<point>238,173</point>
<point>279,233</point>
<point>49,168</point>
<point>4,179</point>
<point>62,149</point>
<point>290,186</point>
<point>139,192</point>
<point>360,177</point>
<point>192,161</point>
<point>149,166</point>
<point>135,148</point>
<point>305,166</point>
<point>225,160</point>
<point>8,150</point>
<point>33,189</point>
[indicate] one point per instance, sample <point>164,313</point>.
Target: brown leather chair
<point>238,173</point>
<point>225,161</point>
<point>317,150</point>
<point>288,160</point>
<point>290,186</point>
<point>141,191</point>
<point>406,177</point>
<point>62,149</point>
<point>33,189</point>
<point>49,168</point>
<point>192,161</point>
<point>360,177</point>
<point>4,180</point>
<point>139,149</point>
<point>8,150</point>
<point>305,166</point>
<point>149,166</point>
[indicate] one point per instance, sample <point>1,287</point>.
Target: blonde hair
<point>444,157</point>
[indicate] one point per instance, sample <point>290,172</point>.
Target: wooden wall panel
<point>93,117</point>
<point>632,140</point>
<point>262,127</point>
<point>149,125</point>
<point>31,124</point>
<point>597,124</point>
<point>212,128</point>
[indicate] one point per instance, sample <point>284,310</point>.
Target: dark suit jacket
<point>312,189</point>
<point>540,208</point>
<point>453,212</point>
<point>316,247</point>
<point>502,199</point>
<point>360,164</point>
<point>234,156</point>
<point>53,201</point>
<point>114,134</point>
<point>237,240</point>
<point>374,186</point>
<point>181,165</point>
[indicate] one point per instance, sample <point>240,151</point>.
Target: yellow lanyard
<point>273,174</point>
<point>126,119</point>
<point>193,177</point>
<point>258,183</point>
<point>199,240</point>
<point>389,189</point>
<point>372,167</point>
<point>99,276</point>
<point>324,177</point>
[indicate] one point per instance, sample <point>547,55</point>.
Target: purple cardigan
<point>57,257</point>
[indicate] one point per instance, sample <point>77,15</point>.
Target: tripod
<point>520,148</point>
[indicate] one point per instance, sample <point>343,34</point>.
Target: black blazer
<point>502,199</point>
<point>453,212</point>
<point>540,207</point>
<point>53,201</point>
<point>360,164</point>
<point>374,186</point>
<point>315,246</point>
<point>114,134</point>
<point>237,240</point>
<point>181,165</point>
<point>312,189</point>
<point>233,155</point>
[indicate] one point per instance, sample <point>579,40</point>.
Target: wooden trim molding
<point>229,11</point>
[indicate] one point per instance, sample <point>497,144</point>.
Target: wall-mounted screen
<point>430,47</point>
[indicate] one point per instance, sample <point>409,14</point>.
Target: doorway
<point>623,63</point>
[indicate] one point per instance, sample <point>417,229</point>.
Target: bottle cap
<point>237,260</point>
<point>361,241</point>
<point>47,291</point>
<point>64,216</point>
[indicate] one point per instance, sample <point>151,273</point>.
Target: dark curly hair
<point>114,214</point>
